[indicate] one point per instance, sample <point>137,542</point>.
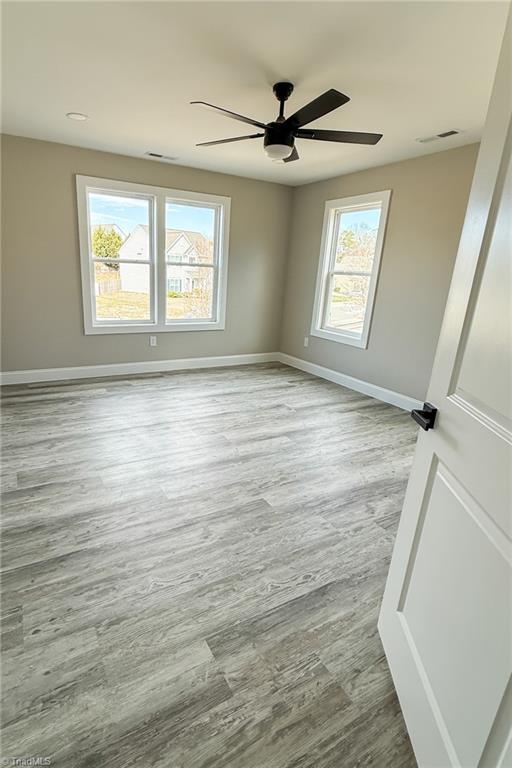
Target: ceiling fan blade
<point>344,137</point>
<point>320,106</point>
<point>233,115</point>
<point>227,141</point>
<point>294,156</point>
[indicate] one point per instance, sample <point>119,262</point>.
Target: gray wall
<point>428,202</point>
<point>275,230</point>
<point>41,295</point>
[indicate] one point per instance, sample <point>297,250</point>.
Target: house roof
<point>195,238</point>
<point>171,235</point>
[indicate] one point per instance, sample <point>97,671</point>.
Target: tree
<point>106,243</point>
<point>356,248</point>
<point>202,293</point>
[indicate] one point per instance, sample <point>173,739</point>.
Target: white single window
<point>142,249</point>
<point>351,247</point>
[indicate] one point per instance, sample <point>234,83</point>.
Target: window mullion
<point>217,255</point>
<point>161,266</point>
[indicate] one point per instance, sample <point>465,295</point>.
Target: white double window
<point>350,253</point>
<point>151,258</point>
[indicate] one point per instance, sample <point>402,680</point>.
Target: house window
<point>173,285</point>
<point>352,239</point>
<point>140,246</point>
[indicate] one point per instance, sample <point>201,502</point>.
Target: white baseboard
<point>123,369</point>
<point>184,364</point>
<point>380,393</point>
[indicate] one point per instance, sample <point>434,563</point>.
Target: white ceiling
<point>411,69</point>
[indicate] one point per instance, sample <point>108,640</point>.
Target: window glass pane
<point>189,232</point>
<point>356,239</point>
<point>122,291</point>
<point>119,227</point>
<point>347,303</point>
<point>189,292</point>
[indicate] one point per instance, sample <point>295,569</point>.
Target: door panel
<point>443,595</point>
<point>489,340</point>
<point>446,617</point>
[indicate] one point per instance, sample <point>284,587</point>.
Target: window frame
<point>158,263</point>
<point>326,266</point>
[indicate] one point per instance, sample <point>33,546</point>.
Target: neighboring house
<point>183,250</point>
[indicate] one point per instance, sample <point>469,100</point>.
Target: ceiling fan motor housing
<point>278,133</point>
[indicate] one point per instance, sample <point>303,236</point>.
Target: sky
<point>367,218</point>
<point>127,212</point>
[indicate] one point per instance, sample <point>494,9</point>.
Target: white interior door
<point>446,617</point>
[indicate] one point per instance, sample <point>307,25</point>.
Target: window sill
<point>341,338</point>
<point>183,327</point>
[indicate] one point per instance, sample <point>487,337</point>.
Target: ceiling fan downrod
<point>282,92</point>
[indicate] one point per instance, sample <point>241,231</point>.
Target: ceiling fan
<point>279,136</point>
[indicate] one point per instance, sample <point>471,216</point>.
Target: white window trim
<point>326,252</point>
<point>158,262</point>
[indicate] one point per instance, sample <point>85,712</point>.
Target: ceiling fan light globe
<point>278,151</point>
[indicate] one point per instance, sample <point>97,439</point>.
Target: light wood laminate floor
<point>192,570</point>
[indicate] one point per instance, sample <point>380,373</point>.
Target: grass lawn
<point>346,312</point>
<point>123,305</point>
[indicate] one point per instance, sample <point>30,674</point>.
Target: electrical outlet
<point>306,341</point>
<point>152,341</point>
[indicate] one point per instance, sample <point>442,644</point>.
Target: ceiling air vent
<point>437,136</point>
<point>159,156</point>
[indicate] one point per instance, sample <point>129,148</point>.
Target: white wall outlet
<point>306,341</point>
<point>152,341</point>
